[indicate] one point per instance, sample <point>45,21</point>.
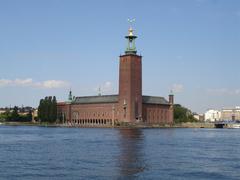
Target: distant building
<point>2,111</point>
<point>128,106</point>
<point>232,114</point>
<point>212,115</point>
<point>199,117</point>
<point>34,115</point>
<point>21,110</point>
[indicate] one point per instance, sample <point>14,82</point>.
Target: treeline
<point>47,109</point>
<point>182,114</point>
<point>14,116</point>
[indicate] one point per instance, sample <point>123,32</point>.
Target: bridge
<point>226,124</point>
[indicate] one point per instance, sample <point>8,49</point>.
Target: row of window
<point>76,115</point>
<point>91,121</point>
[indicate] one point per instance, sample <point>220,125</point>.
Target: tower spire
<point>99,91</point>
<point>70,95</point>
<point>171,97</point>
<point>131,48</point>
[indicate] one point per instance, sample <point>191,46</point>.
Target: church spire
<point>70,96</point>
<point>131,48</point>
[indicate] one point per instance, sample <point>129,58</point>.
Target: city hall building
<point>128,106</point>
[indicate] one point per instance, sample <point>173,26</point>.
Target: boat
<point>236,126</point>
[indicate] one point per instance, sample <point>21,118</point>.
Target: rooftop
<point>114,99</point>
<point>154,100</point>
<point>96,99</point>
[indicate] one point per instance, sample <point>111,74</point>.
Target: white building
<point>199,117</point>
<point>231,114</point>
<point>212,115</point>
<point>2,111</point>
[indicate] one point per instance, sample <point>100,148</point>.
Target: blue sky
<point>190,46</point>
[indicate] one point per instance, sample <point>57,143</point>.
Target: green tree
<point>47,109</point>
<point>40,110</point>
<point>14,115</point>
<point>7,115</point>
<point>54,109</point>
<point>29,116</point>
<point>50,109</point>
<point>182,114</point>
<point>3,117</point>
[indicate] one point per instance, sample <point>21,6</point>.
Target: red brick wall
<point>171,99</point>
<point>130,91</point>
<point>152,113</point>
<point>157,114</point>
<point>104,111</point>
<point>64,109</point>
<point>94,111</point>
<point>130,87</point>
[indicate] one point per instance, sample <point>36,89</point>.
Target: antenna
<point>131,21</point>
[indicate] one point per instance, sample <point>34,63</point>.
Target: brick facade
<point>103,114</point>
<point>128,106</point>
<point>130,88</point>
<point>108,114</point>
<point>157,114</point>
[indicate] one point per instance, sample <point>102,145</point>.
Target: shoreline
<point>129,126</point>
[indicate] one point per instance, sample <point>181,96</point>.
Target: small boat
<point>236,126</point>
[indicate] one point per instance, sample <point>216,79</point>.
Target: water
<point>72,153</point>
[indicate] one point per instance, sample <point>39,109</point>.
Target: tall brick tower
<point>130,82</point>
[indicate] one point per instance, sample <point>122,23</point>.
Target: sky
<point>190,46</point>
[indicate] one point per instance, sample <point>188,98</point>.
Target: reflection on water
<point>71,153</point>
<point>131,158</point>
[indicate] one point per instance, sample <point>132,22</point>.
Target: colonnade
<point>89,122</point>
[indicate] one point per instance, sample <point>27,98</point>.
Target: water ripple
<point>72,153</point>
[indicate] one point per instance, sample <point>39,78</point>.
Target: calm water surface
<point>72,153</point>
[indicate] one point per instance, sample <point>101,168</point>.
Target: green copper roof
<point>70,96</point>
<point>131,47</point>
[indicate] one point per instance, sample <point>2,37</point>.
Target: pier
<point>227,124</point>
